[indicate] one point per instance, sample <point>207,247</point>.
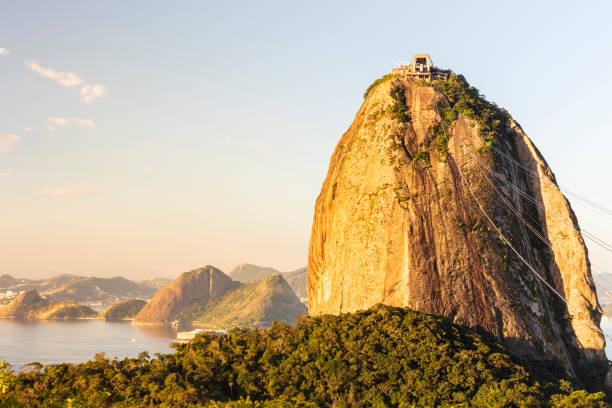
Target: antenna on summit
<point>420,67</point>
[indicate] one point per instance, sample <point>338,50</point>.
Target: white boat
<point>188,335</point>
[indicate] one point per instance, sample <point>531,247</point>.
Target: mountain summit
<point>437,200</point>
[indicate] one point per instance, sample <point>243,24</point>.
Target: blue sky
<point>205,128</point>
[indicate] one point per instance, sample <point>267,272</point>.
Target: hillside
<point>382,357</point>
<point>95,289</point>
<point>255,304</point>
<point>194,287</point>
<point>30,305</point>
<point>126,309</point>
<point>7,281</point>
<point>425,206</point>
<point>85,289</point>
<point>247,273</point>
<point>297,280</point>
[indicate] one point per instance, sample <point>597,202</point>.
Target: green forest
<point>383,357</point>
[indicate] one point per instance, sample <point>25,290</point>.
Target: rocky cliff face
<point>199,285</point>
<point>398,222</point>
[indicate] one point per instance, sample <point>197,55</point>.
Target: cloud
<point>59,121</point>
<point>7,141</point>
<point>83,122</point>
<point>4,51</point>
<point>4,173</point>
<point>258,147</point>
<point>65,121</point>
<point>28,128</point>
<point>68,79</point>
<point>91,92</point>
<point>69,191</point>
<point>50,128</point>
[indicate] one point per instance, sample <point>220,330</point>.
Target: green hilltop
<point>383,357</point>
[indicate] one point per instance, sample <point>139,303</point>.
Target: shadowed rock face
<point>395,224</point>
<point>198,285</point>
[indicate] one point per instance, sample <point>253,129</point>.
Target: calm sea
<point>50,342</point>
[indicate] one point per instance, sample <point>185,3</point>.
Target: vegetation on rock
<point>126,309</point>
<point>382,357</point>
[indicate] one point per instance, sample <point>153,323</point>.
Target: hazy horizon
<point>147,139</point>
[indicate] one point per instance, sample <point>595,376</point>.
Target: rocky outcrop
<point>30,305</point>
<point>402,220</point>
<point>197,286</point>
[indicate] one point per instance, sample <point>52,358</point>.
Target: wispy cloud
<point>7,141</point>
<point>91,92</point>
<point>50,128</point>
<point>258,147</point>
<point>4,51</point>
<point>59,121</point>
<point>66,121</point>
<point>83,122</point>
<point>69,191</point>
<point>28,128</point>
<point>68,79</point>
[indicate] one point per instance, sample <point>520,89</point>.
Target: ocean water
<point>51,342</point>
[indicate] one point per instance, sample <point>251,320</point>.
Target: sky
<point>148,138</point>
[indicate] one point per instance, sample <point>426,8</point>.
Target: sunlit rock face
<point>396,223</point>
<point>198,285</point>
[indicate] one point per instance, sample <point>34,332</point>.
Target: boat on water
<point>188,335</point>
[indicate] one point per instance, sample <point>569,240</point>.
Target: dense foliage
<point>383,357</point>
<point>466,100</point>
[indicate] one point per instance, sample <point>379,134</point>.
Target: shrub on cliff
<point>382,357</point>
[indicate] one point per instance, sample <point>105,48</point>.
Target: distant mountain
<point>297,280</point>
<point>85,289</point>
<point>603,280</point>
<point>157,283</point>
<point>257,303</point>
<point>246,272</point>
<point>197,286</point>
<point>93,289</point>
<point>30,305</point>
<point>126,309</point>
<point>6,281</point>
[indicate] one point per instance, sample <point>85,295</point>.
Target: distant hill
<point>157,283</point>
<point>30,305</point>
<point>126,309</point>
<point>247,272</point>
<point>92,289</point>
<point>85,289</point>
<point>197,286</point>
<point>252,304</point>
<point>6,281</point>
<point>297,280</point>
